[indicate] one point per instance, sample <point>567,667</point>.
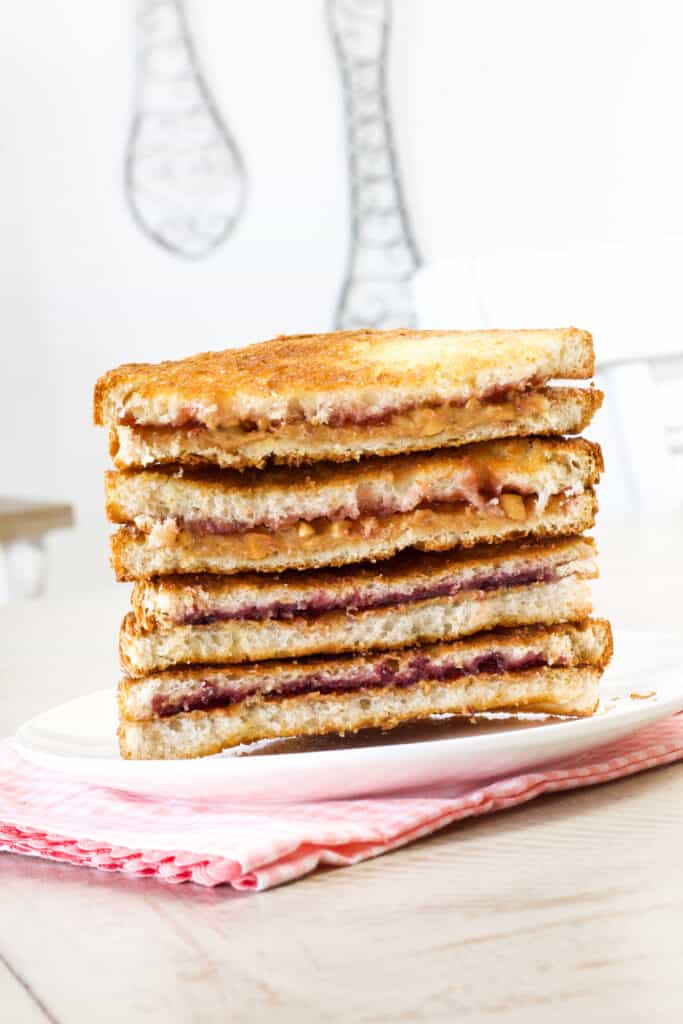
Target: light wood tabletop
<point>565,909</point>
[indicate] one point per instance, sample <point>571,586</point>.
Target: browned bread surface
<point>320,377</point>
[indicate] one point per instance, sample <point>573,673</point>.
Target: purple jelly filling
<point>216,693</point>
<point>319,603</point>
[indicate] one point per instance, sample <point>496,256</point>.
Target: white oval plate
<point>78,739</point>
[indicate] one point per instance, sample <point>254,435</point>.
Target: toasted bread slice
<point>136,555</point>
<point>194,712</point>
<point>410,577</point>
<point>554,691</point>
<point>547,411</point>
<point>395,626</point>
<point>226,502</point>
<point>347,377</point>
<point>276,519</point>
<point>438,598</point>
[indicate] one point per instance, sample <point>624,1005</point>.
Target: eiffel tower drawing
<point>383,254</point>
<point>184,176</point>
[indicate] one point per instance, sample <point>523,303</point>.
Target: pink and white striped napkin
<point>256,846</point>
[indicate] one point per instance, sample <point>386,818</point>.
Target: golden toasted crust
<point>542,411</point>
<point>379,485</point>
<point>135,556</point>
<point>318,376</point>
<point>433,620</point>
<point>173,600</point>
<point>555,691</point>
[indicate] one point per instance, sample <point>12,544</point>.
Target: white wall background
<point>526,123</point>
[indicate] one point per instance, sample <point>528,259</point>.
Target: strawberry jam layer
<point>313,605</point>
<point>219,693</point>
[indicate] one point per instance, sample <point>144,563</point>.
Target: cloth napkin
<point>256,847</point>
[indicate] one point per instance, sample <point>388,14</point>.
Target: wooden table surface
<point>563,910</point>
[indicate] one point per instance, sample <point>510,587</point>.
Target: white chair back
<point>627,295</point>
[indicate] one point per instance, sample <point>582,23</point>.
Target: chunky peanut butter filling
<point>419,421</point>
<point>326,534</point>
<point>320,532</point>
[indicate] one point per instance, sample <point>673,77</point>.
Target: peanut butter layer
<point>225,501</point>
<point>310,535</point>
<point>168,549</point>
<point>245,443</point>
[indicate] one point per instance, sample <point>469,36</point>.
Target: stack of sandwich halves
<point>334,532</point>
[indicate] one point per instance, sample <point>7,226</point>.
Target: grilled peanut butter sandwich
<point>197,711</point>
<point>336,532</point>
<point>270,520</point>
<point>338,397</point>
